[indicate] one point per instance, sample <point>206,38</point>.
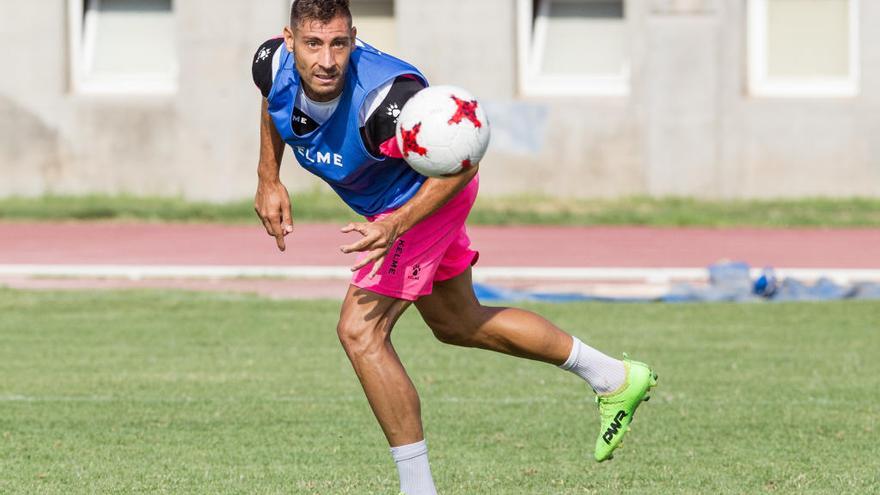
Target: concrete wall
<point>30,94</point>
<point>687,127</point>
<point>200,143</point>
<point>797,146</point>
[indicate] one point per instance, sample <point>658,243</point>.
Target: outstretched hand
<point>272,204</point>
<point>377,239</point>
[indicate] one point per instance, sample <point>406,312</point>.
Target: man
<point>333,100</point>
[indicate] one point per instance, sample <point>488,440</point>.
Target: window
<point>573,47</point>
<point>803,48</point>
<point>123,46</point>
<point>374,20</point>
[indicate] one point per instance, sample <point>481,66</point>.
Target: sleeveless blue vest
<point>335,151</point>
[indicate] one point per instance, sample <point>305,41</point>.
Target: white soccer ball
<point>442,130</point>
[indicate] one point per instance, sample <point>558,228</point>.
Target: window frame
<point>763,85</point>
<point>82,35</point>
<point>530,59</point>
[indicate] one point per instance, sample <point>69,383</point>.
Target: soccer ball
<point>442,130</point>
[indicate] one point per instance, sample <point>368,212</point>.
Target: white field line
<point>303,398</point>
<point>609,274</point>
<point>313,399</point>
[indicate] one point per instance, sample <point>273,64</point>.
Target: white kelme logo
<point>263,54</point>
<point>321,158</point>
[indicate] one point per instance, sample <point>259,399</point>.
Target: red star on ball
<point>466,110</point>
<point>410,141</point>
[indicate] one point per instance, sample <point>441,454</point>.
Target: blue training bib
<point>335,151</point>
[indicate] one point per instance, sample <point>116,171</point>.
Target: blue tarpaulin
<point>728,282</point>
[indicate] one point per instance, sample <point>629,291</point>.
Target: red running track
<point>317,244</point>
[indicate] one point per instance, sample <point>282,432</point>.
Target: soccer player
<point>334,100</point>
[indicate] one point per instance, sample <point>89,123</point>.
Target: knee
<point>455,331</point>
<point>359,339</point>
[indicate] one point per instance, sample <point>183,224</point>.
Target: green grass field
<point>172,392</point>
<point>321,206</point>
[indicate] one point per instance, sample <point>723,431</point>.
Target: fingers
<point>278,232</point>
<point>376,255</point>
<point>286,219</point>
<point>374,240</point>
<point>371,240</point>
<point>272,204</point>
<point>266,223</point>
<point>277,225</point>
<point>377,265</point>
<point>367,243</point>
<point>274,228</point>
<point>363,228</point>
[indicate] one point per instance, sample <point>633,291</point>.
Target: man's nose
<point>326,60</point>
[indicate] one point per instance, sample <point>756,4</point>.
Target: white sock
<point>604,373</point>
<point>413,468</point>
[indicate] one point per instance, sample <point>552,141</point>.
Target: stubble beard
<point>325,93</point>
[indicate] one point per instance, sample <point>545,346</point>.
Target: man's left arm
<point>378,133</point>
<point>378,236</point>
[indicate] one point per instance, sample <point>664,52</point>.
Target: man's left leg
<point>456,317</point>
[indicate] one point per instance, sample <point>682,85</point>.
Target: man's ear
<point>288,38</point>
<point>354,34</point>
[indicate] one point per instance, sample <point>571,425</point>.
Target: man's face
<point>322,53</point>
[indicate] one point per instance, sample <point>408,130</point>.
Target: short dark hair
<point>318,10</point>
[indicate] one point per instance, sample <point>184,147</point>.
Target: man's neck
<point>307,91</point>
<point>323,103</point>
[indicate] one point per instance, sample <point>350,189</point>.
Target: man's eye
<point>312,44</point>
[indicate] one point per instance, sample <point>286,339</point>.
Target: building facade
<point>587,98</point>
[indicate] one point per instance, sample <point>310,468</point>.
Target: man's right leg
<point>364,329</point>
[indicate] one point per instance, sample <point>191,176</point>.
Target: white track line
<point>648,275</point>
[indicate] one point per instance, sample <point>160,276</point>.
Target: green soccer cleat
<point>617,409</point>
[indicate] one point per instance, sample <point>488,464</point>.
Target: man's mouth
<point>326,77</point>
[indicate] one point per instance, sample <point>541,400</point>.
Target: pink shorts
<point>434,250</point>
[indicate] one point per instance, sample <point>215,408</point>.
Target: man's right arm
<point>272,201</point>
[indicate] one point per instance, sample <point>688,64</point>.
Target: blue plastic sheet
<point>488,293</point>
<point>728,282</point>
